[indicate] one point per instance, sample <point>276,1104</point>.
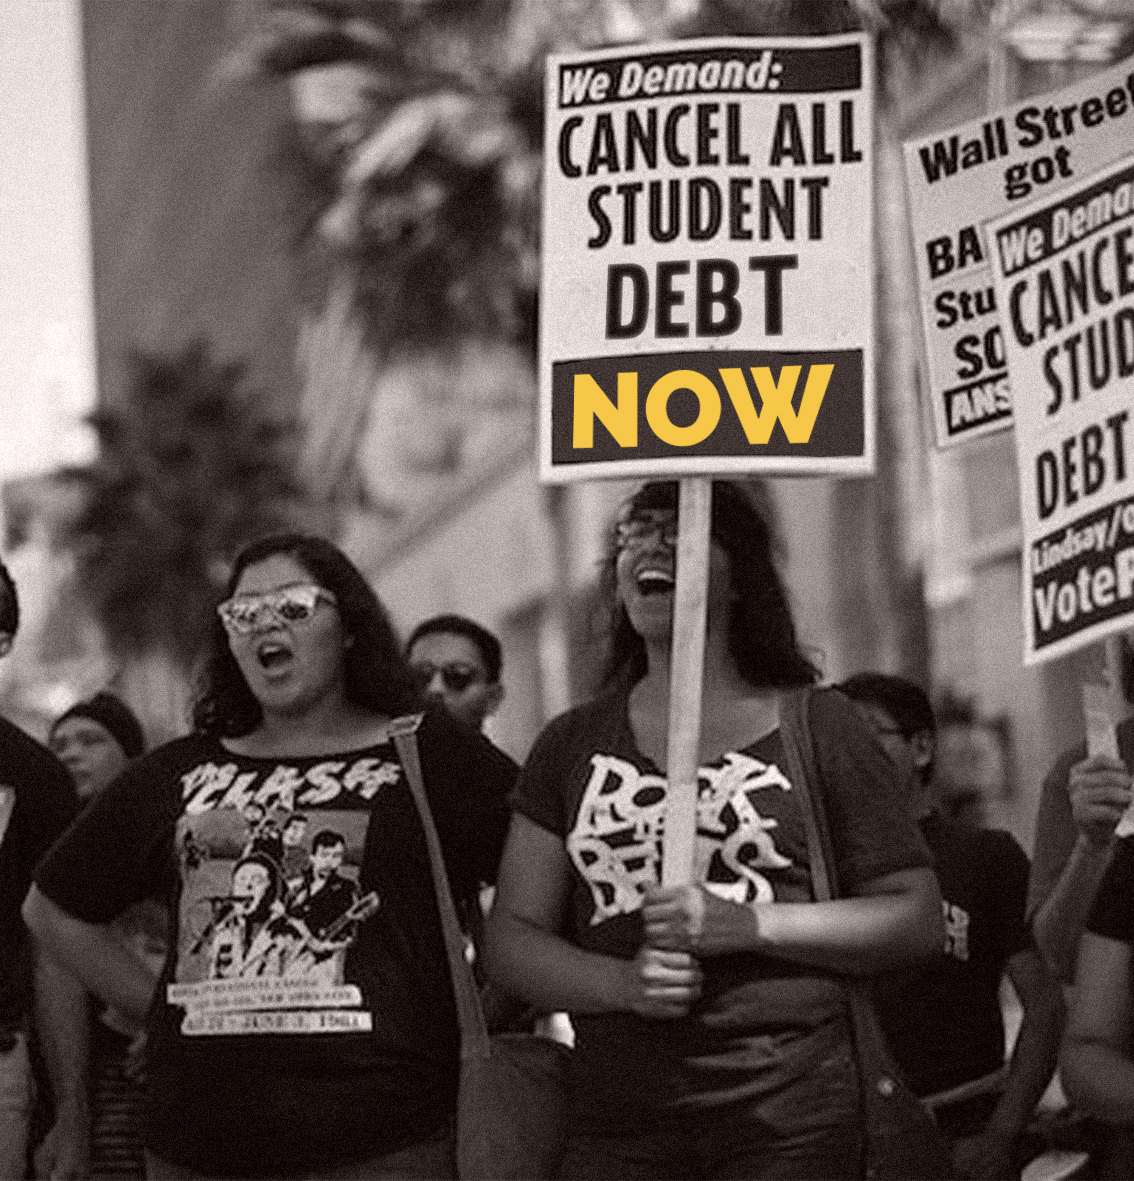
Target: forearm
<point>549,973</point>
<point>93,956</point>
<point>1058,924</point>
<point>1099,1080</point>
<point>1034,1060</point>
<point>63,1027</point>
<point>859,936</point>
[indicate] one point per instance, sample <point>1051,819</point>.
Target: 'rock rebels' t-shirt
<point>587,782</point>
<point>305,1013</point>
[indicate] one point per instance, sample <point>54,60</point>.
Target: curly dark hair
<point>376,676</point>
<point>761,632</point>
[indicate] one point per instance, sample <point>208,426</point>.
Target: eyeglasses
<point>455,677</point>
<point>292,604</point>
<point>638,532</point>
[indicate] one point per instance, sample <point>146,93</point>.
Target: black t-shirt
<point>760,1020</point>
<point>37,802</point>
<point>1112,914</point>
<point>944,1022</point>
<point>299,1020</point>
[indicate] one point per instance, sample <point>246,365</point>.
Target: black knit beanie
<point>112,715</point>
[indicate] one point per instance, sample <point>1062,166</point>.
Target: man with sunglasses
<point>458,662</point>
<point>944,1021</point>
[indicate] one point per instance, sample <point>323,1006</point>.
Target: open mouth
<point>272,655</point>
<point>654,582</point>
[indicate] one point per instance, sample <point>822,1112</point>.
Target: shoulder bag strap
<point>470,1013</point>
<point>803,771</point>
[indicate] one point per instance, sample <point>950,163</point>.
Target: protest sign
<point>1063,269</point>
<point>706,301</point>
<point>958,179</point>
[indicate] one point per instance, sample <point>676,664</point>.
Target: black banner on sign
<point>976,403</point>
<point>1035,238</point>
<point>1082,574</point>
<point>720,404</point>
<point>732,70</point>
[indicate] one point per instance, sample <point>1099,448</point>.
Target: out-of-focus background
<point>274,264</point>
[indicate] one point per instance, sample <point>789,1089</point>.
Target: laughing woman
<point>712,1034</point>
<point>268,1055</point>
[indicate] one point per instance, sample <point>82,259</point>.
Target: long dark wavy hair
<point>376,677</point>
<point>761,632</point>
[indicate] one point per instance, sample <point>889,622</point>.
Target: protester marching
<point>583,624</point>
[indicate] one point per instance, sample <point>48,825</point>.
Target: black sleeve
<point>539,793</point>
<point>119,850</point>
<point>468,781</point>
<point>1012,870</point>
<point>868,814</point>
<point>1112,914</point>
<point>45,803</point>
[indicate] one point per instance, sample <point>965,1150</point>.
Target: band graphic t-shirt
<point>305,1012</point>
<point>760,1020</point>
<point>263,948</point>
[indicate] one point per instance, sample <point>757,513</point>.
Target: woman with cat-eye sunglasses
<point>313,1033</point>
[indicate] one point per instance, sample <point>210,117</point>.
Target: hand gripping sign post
<point>958,179</point>
<point>1063,268</point>
<point>707,293</point>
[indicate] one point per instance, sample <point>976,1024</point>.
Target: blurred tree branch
<point>419,143</point>
<point>420,124</point>
<point>192,464</point>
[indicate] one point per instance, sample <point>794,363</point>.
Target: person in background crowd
<point>712,1032</point>
<point>260,1077</point>
<point>37,802</point>
<point>971,764</point>
<point>1082,801</point>
<point>96,740</point>
<point>1097,1063</point>
<point>459,663</point>
<point>943,1020</point>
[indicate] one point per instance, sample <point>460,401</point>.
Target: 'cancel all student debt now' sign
<point>1064,273</point>
<point>707,299</point>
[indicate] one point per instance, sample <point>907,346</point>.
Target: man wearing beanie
<point>94,740</point>
<point>36,804</point>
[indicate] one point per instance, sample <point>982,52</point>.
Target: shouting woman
<point>256,1066</point>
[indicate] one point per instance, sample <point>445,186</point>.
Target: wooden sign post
<point>686,668</point>
<point>1120,707</point>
